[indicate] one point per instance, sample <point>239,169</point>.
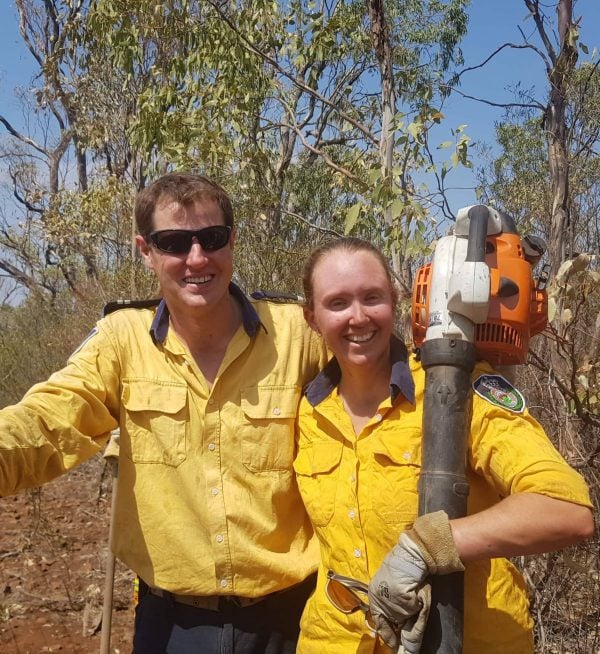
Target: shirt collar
<point>250,319</point>
<point>401,380</point>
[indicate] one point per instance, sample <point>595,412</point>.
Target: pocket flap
<point>318,457</point>
<point>153,395</point>
<point>401,449</point>
<point>270,402</point>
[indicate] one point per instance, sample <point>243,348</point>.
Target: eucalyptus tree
<point>71,167</point>
<point>548,176</point>
<point>559,54</point>
<point>252,92</point>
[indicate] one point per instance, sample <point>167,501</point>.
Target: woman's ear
<point>309,316</point>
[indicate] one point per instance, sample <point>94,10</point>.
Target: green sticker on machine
<point>499,391</point>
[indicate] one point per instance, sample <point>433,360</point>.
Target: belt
<point>210,602</point>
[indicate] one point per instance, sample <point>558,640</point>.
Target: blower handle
<point>478,226</point>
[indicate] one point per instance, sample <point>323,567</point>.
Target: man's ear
<point>144,250</point>
<point>309,316</point>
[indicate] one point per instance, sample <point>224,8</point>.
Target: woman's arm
<point>524,523</point>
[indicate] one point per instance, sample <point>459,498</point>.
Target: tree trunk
<point>383,51</point>
<point>560,245</point>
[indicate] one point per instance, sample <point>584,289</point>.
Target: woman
<point>358,462</point>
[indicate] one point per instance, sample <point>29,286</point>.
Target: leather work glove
<point>412,631</point>
<point>396,591</point>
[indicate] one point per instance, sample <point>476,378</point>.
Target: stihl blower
<point>476,300</point>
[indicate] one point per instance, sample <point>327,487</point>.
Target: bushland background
<point>320,118</point>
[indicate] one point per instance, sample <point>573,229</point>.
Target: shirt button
<point>357,553</point>
<point>352,513</point>
<point>219,538</point>
<point>276,411</point>
<point>214,491</point>
<point>407,456</point>
<point>224,583</point>
<point>211,447</point>
<point>211,400</point>
<point>378,417</point>
<point>352,478</point>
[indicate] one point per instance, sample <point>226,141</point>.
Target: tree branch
<point>323,230</point>
<point>533,6</point>
<point>505,105</point>
<point>19,197</point>
<point>516,46</point>
<point>328,160</point>
<point>297,81</point>
<point>22,137</point>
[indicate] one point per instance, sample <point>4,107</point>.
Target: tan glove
<point>413,630</point>
<point>395,590</point>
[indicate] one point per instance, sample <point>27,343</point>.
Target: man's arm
<point>60,422</point>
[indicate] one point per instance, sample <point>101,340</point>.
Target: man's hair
<point>350,245</point>
<point>184,188</point>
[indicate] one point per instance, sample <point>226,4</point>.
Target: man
<point>204,388</point>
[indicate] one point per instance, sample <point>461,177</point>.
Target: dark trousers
<point>271,626</point>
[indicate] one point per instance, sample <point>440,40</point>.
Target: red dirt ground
<point>53,545</point>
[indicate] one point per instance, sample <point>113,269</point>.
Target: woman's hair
<point>350,245</point>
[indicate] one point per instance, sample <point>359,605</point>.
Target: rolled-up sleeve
<point>514,454</point>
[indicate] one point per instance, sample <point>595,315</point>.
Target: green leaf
<point>375,175</point>
<point>445,144</point>
<point>583,380</point>
<point>551,309</point>
<point>352,217</point>
<point>573,36</point>
<point>563,270</point>
<point>397,207</point>
<point>414,130</point>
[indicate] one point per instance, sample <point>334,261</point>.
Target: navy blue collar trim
<point>250,319</point>
<point>401,380</point>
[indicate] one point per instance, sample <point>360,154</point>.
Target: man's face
<point>196,281</point>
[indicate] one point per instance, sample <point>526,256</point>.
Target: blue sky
<point>491,23</point>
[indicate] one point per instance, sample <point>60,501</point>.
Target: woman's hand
<point>398,589</point>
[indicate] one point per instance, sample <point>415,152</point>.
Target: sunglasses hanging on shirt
<point>348,595</point>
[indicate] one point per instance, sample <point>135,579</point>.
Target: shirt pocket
<point>267,432</point>
<point>397,467</point>
<point>156,415</point>
<point>317,468</point>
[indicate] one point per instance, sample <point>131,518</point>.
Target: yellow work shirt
<point>361,493</point>
<point>207,501</point>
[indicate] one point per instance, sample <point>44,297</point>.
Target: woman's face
<point>352,307</point>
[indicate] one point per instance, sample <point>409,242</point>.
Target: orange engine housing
<point>518,306</point>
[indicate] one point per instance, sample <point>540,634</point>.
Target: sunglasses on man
<point>180,241</point>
